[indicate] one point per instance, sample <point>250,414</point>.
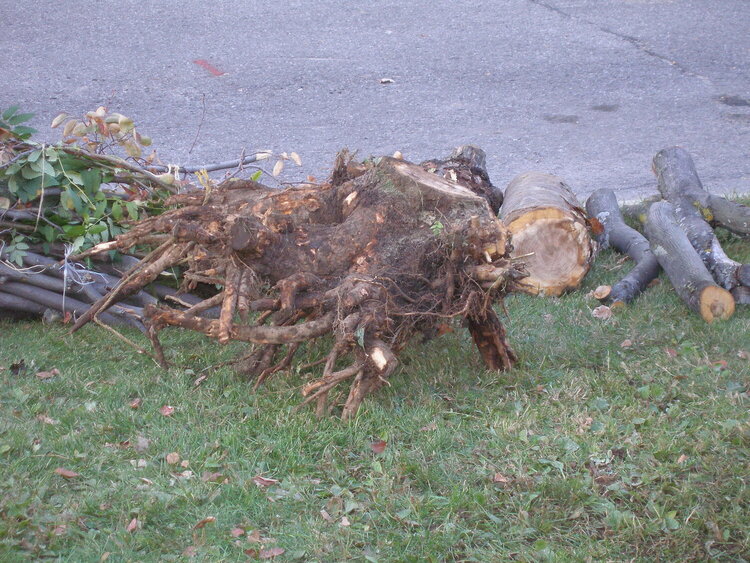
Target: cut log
<point>383,251</point>
<point>689,276</point>
<point>679,179</point>
<point>680,185</point>
<point>614,232</point>
<point>549,233</point>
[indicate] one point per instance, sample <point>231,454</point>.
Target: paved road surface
<point>587,89</point>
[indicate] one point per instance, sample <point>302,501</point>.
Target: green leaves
<point>10,120</point>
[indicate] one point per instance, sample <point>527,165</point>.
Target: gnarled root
<point>381,253</point>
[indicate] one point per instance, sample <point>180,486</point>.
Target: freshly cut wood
<point>549,233</point>
<point>680,185</point>
<point>679,179</point>
<point>614,232</point>
<point>383,251</point>
<point>689,276</point>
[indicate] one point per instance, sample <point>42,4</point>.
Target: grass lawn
<point>620,439</point>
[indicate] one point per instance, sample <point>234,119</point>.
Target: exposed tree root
<point>383,251</point>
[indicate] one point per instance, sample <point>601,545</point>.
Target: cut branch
<point>602,206</point>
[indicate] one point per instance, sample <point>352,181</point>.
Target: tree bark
<point>680,185</point>
<point>381,252</point>
<point>679,179</point>
<point>549,233</point>
<point>689,276</point>
<point>602,206</point>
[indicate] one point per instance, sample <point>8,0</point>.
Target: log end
<point>715,303</point>
<point>555,248</point>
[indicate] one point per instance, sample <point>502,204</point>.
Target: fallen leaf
<point>277,168</point>
<point>344,522</point>
<point>253,553</point>
<point>429,427</point>
<point>17,368</point>
<point>271,553</point>
<point>254,537</point>
<point>682,459</point>
<point>379,446</point>
<point>48,374</point>
<point>184,463</point>
<point>66,473</point>
<point>104,556</point>
<point>237,532</point>
<point>742,354</point>
<point>671,352</point>
<point>721,365</point>
<point>500,479</point>
<point>602,312</point>
<point>190,551</point>
<point>60,530</point>
<point>264,481</point>
<point>167,410</point>
<point>133,525</point>
<point>135,403</point>
<point>200,380</point>
<point>627,343</point>
<point>147,481</point>
<point>211,477</point>
<point>46,420</point>
<point>326,516</point>
<point>141,444</point>
<point>202,523</point>
<point>295,157</point>
<point>173,458</point>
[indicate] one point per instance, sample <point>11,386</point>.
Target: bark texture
<point>680,185</point>
<point>689,276</point>
<point>381,252</point>
<point>549,233</point>
<point>614,232</point>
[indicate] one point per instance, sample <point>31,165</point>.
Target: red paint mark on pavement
<point>209,67</point>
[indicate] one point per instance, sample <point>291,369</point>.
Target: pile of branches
<point>383,251</point>
<point>58,199</point>
<point>680,238</point>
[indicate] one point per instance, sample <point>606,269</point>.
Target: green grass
<point>602,452</point>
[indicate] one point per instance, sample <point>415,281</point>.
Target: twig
<point>192,169</point>
<point>200,125</point>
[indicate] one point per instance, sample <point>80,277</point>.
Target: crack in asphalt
<point>634,41</point>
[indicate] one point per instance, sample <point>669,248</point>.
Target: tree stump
<point>383,251</point>
<point>549,233</point>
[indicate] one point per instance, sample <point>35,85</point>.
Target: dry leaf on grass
<point>48,374</point>
<point>66,473</point>
<point>46,420</point>
<point>379,446</point>
<point>173,458</point>
<point>602,312</point>
<point>135,403</point>
<point>500,479</point>
<point>271,553</point>
<point>202,523</point>
<point>133,525</point>
<point>264,481</point>
<point>237,532</point>
<point>167,410</point>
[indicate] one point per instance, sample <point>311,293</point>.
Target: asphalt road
<point>586,89</point>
